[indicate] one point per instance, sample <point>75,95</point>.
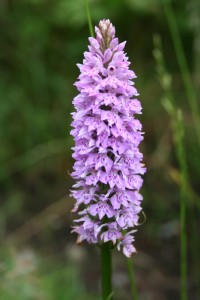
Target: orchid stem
<point>87,8</point>
<point>106,272</point>
<point>132,279</point>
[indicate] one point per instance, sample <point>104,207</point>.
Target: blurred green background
<point>40,43</point>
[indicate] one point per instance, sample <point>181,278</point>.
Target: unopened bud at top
<point>105,33</point>
<point>106,27</point>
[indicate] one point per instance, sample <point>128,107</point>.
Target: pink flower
<point>108,164</point>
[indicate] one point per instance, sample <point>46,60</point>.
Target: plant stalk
<point>185,73</point>
<point>178,136</point>
<point>183,180</point>
<point>87,8</point>
<point>106,272</point>
<point>132,279</point>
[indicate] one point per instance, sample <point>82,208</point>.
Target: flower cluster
<point>107,164</point>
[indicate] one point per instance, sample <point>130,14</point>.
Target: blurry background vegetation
<point>40,43</point>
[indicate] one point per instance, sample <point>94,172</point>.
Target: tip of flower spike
<point>105,33</point>
<point>106,27</point>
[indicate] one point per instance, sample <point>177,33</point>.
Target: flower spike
<point>108,164</point>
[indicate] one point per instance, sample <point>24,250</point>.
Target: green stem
<point>195,249</point>
<point>178,136</point>
<point>189,88</point>
<point>89,18</point>
<point>183,181</point>
<point>106,272</point>
<point>132,278</point>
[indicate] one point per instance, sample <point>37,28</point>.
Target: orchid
<point>108,164</point>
